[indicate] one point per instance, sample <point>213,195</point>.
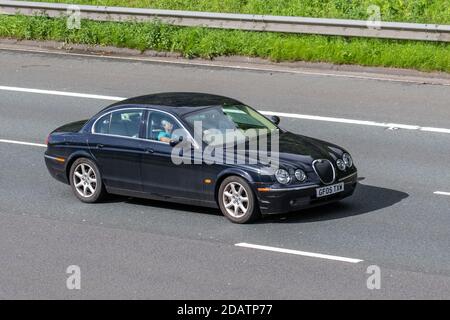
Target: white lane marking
<point>359,122</point>
<point>299,253</point>
<point>437,130</point>
<point>269,113</point>
<point>239,67</point>
<point>23,143</point>
<point>441,193</point>
<point>61,93</point>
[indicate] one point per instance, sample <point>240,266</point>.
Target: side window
<point>125,123</point>
<point>102,125</point>
<point>162,127</point>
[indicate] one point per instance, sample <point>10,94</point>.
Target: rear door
<point>116,145</point>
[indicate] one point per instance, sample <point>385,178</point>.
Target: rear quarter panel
<point>68,146</point>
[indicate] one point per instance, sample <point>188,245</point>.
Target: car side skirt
<point>152,196</point>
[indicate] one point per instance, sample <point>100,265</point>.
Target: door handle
<point>149,150</point>
<point>100,146</point>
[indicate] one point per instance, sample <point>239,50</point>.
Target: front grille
<point>325,170</point>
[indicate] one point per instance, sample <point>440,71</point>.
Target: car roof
<point>177,102</point>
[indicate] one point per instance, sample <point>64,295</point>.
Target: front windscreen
<point>230,117</point>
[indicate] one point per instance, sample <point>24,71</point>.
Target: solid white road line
<point>268,113</point>
<point>299,253</point>
<point>342,74</point>
<point>23,143</point>
<point>441,193</point>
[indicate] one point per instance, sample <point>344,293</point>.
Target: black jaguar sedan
<point>133,148</point>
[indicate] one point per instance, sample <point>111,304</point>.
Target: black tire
<point>99,190</point>
<point>251,214</point>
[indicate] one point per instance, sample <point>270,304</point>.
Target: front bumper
<point>293,199</point>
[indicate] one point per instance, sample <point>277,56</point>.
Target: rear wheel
<point>237,201</point>
<point>86,181</point>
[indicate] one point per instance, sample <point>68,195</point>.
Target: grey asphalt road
<point>131,248</point>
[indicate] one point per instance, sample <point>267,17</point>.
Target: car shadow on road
<point>171,205</point>
<point>366,199</point>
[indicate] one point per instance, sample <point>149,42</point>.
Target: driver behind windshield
<point>166,135</point>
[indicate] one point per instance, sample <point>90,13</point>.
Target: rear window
<point>102,125</point>
<point>125,123</point>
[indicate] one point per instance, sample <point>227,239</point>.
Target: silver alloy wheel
<point>235,199</point>
<point>85,180</point>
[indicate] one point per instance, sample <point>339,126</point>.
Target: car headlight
<point>300,175</point>
<point>282,176</point>
<point>347,160</point>
<point>340,164</point>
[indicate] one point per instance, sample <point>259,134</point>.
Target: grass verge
<point>209,43</point>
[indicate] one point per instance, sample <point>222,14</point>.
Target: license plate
<point>329,190</point>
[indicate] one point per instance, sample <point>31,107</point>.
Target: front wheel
<point>237,201</point>
<point>86,181</point>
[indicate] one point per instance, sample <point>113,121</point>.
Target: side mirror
<point>173,143</point>
<point>275,119</point>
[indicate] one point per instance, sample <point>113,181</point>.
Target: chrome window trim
<point>141,139</point>
<point>334,171</point>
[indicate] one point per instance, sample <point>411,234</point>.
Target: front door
<point>160,175</point>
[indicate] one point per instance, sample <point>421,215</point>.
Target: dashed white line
<point>358,122</point>
<point>61,93</point>
<point>442,193</point>
<point>299,253</point>
<point>437,130</point>
<point>269,113</point>
<point>23,143</point>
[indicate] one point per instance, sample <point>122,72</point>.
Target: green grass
<point>210,43</point>
<point>418,11</point>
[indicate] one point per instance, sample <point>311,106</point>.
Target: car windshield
<point>222,120</point>
<point>230,117</point>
